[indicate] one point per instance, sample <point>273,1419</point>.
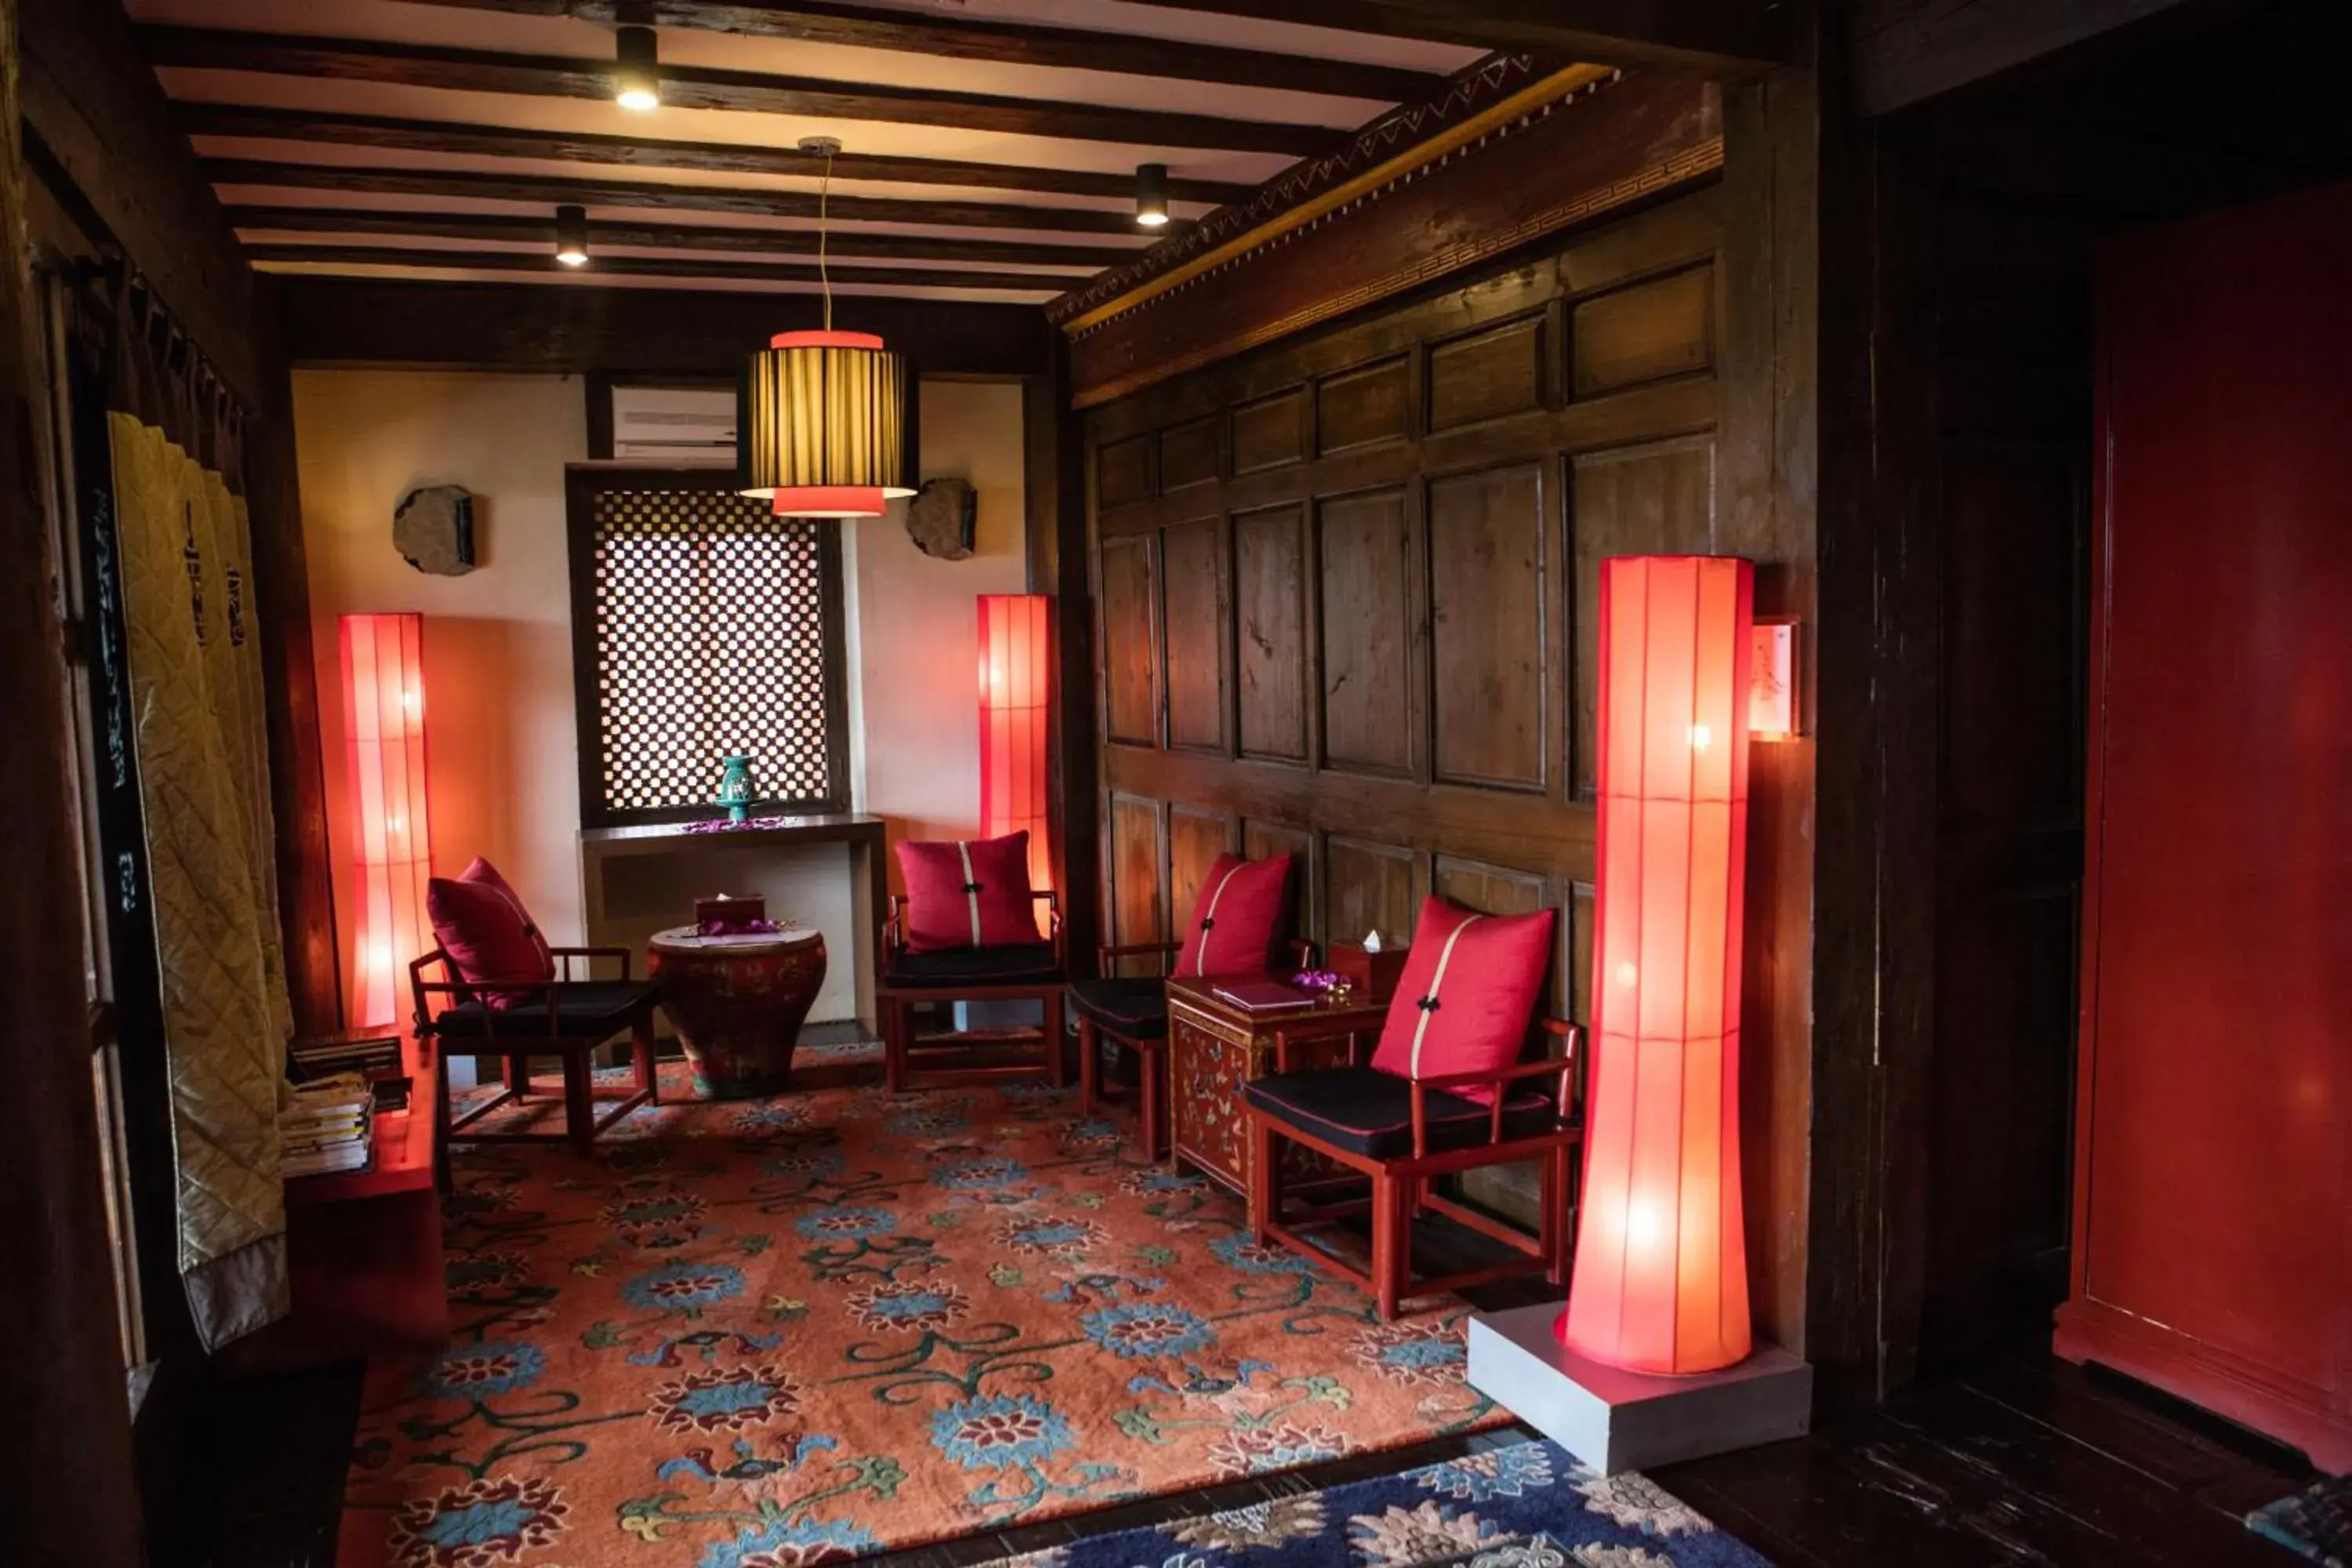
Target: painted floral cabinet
<point>1214,1048</point>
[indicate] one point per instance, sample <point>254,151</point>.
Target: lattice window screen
<point>710,634</point>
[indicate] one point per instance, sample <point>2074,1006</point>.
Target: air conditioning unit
<point>674,425</point>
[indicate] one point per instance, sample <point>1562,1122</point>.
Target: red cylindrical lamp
<point>384,716</point>
<point>1015,719</point>
<point>1661,1280</point>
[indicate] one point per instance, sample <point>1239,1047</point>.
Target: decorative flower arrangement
<point>755,927</point>
<point>1318,980</point>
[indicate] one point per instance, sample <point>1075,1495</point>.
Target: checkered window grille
<point>712,628</point>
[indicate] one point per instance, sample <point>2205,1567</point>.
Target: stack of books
<point>367,1051</point>
<point>328,1126</point>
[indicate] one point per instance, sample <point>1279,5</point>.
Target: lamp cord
<point>825,278</point>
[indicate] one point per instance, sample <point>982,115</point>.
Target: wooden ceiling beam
<point>726,157</point>
<point>396,323</point>
<point>491,228</point>
<point>1722,37</point>
<point>648,267</point>
<point>555,191</point>
<point>1005,43</point>
<point>703,87</point>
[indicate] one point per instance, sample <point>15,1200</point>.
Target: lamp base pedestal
<point>1616,1420</point>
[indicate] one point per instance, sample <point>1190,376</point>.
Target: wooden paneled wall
<point>1347,589</point>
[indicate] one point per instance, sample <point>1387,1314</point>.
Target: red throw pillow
<point>482,872</point>
<point>968,893</point>
<point>1237,917</point>
<point>1468,994</point>
<point>487,936</point>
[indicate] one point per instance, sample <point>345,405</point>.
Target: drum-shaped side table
<point>738,1003</point>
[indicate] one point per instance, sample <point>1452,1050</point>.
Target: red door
<point>2213,1248</point>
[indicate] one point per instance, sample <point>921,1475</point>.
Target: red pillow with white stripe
<point>968,893</point>
<point>1237,917</point>
<point>1468,994</point>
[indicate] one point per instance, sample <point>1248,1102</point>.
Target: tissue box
<point>1373,975</point>
<point>719,916</point>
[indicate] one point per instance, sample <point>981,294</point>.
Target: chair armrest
<point>1309,1034</point>
<point>1563,1066</point>
<point>565,955</point>
<point>1107,953</point>
<point>894,926</point>
<point>1053,932</point>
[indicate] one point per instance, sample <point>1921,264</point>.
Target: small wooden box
<point>720,916</point>
<point>1373,975</point>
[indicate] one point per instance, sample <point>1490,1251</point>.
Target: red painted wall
<point>2213,1248</point>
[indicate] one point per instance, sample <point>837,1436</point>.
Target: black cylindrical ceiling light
<point>637,73</point>
<point>571,235</point>
<point>1151,195</point>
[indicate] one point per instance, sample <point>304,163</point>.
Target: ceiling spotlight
<point>1151,195</point>
<point>637,75</point>
<point>571,235</point>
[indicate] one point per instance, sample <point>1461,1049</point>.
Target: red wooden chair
<point>564,1018</point>
<point>1133,1010</point>
<point>1005,971</point>
<point>1402,1134</point>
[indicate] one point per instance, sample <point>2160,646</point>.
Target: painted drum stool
<point>739,1001</point>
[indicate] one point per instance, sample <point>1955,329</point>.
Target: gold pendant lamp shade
<point>826,420</point>
<point>827,424</point>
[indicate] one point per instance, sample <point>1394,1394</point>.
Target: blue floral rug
<point>1525,1505</point>
<point>2316,1522</point>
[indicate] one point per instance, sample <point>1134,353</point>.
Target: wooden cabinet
<point>1214,1048</point>
<point>2211,1255</point>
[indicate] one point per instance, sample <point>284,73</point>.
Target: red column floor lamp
<point>391,833</point>
<point>1652,1359</point>
<point>1015,682</point>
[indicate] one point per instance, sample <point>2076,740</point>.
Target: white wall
<point>917,628</point>
<point>501,750</point>
<point>503,762</point>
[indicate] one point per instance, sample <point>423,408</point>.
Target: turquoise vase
<point>735,787</point>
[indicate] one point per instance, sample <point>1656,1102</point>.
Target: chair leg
<point>579,1103</point>
<point>1265,1182</point>
<point>1055,1043</point>
<point>1151,1101</point>
<point>442,1109</point>
<point>1391,1241</point>
<point>641,1051</point>
<point>893,1044</point>
<point>1555,1218</point>
<point>514,1072</point>
<point>1089,1067</point>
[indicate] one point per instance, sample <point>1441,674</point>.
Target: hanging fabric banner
<point>184,547</point>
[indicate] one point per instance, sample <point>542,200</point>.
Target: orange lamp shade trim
<point>1661,1280</point>
<point>1015,718</point>
<point>391,831</point>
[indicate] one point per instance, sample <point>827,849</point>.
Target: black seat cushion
<point>1136,1008</point>
<point>1371,1112</point>
<point>584,1008</point>
<point>1011,964</point>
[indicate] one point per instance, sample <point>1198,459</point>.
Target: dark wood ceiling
<point>989,145</point>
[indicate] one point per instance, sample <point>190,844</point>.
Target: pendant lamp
<point>827,418</point>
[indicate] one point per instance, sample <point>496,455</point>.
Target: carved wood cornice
<point>1537,162</point>
<point>1390,147</point>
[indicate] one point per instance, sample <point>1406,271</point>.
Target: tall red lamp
<point>1651,1360</point>
<point>392,832</point>
<point>1661,1280</point>
<point>1015,684</point>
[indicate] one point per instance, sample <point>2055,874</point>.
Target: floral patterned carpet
<point>1517,1505</point>
<point>838,1322</point>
